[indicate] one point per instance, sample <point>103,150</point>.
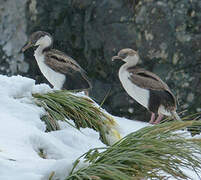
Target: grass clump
<point>65,106</point>
<point>155,152</point>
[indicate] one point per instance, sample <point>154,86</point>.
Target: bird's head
<point>127,55</point>
<point>38,38</point>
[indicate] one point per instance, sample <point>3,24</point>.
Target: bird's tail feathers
<point>176,116</point>
<point>87,79</point>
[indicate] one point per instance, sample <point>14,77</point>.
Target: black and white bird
<point>60,70</point>
<point>146,87</point>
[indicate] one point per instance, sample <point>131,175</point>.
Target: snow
<point>22,135</point>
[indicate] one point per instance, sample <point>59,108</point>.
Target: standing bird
<point>146,87</point>
<point>60,70</point>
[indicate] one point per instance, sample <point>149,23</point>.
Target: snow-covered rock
<point>22,135</point>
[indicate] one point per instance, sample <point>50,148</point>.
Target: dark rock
<point>13,37</point>
<point>4,65</point>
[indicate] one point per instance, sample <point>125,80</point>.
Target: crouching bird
<point>146,87</point>
<point>60,70</point>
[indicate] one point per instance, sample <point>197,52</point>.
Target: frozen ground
<point>22,135</point>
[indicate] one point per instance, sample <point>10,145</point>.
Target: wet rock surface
<point>12,36</point>
<point>167,35</point>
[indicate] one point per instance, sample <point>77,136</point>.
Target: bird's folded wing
<point>61,63</point>
<point>147,80</point>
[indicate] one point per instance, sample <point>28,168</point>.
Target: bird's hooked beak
<point>26,46</point>
<point>116,57</point>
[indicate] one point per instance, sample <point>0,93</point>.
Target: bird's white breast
<point>139,94</point>
<point>55,78</point>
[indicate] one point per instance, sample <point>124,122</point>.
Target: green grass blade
<point>65,106</point>
<point>154,152</point>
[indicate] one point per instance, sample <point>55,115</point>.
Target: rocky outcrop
<point>13,37</point>
<point>167,35</point>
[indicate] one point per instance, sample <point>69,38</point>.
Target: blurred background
<point>166,33</point>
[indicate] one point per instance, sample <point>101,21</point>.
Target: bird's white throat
<point>131,60</point>
<point>44,41</point>
<point>55,78</point>
<point>139,94</point>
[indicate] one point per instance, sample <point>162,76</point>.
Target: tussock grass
<point>154,152</point>
<point>65,106</point>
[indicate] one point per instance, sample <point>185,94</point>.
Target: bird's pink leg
<point>152,118</point>
<point>160,116</point>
